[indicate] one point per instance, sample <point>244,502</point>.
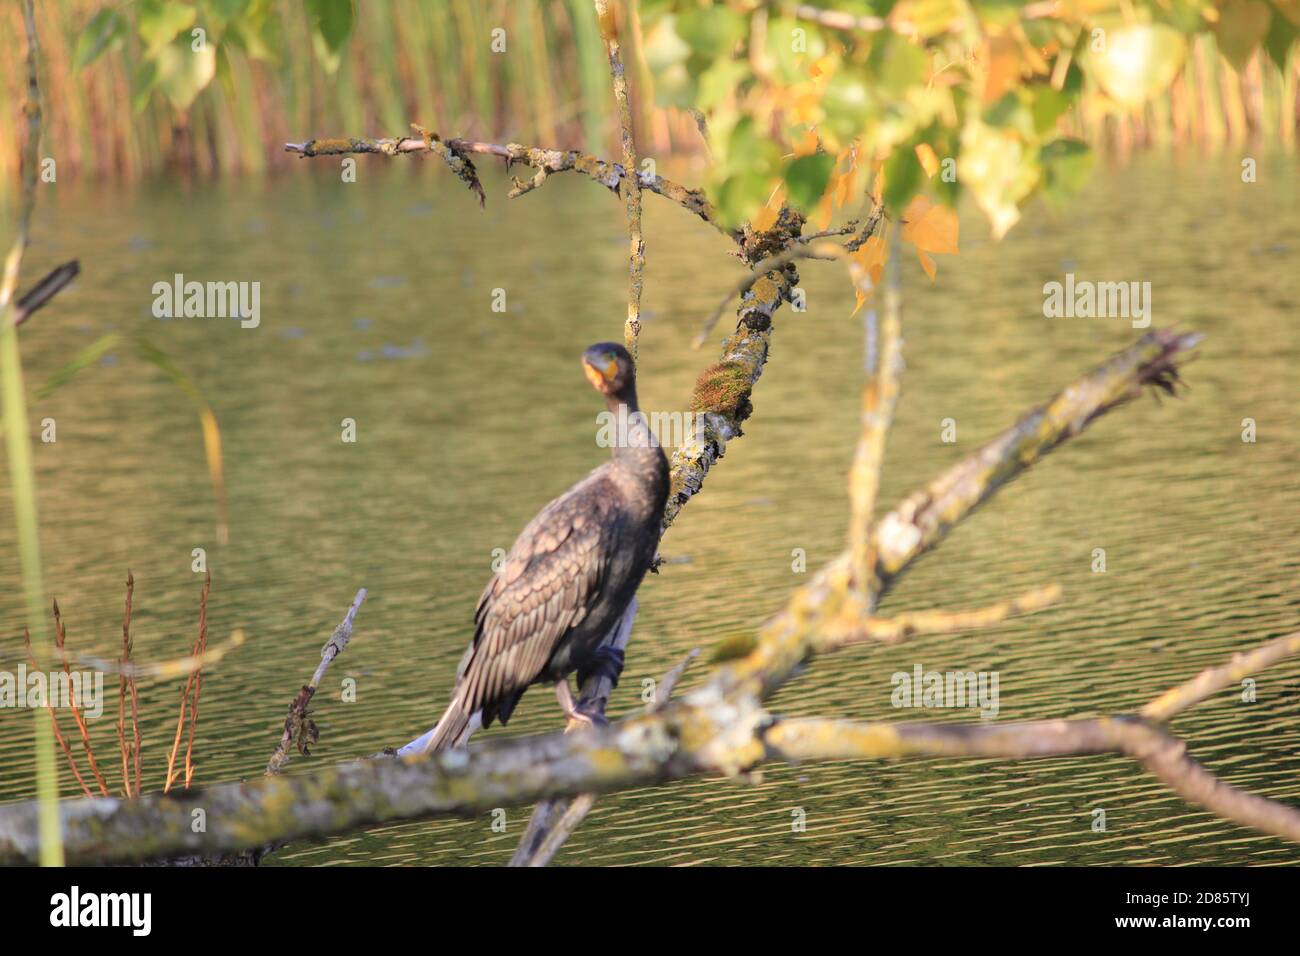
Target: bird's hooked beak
<point>600,370</point>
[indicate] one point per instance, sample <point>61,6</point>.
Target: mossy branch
<point>701,733</point>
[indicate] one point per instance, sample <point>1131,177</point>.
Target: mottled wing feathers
<point>549,581</point>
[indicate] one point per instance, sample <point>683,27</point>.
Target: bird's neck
<point>634,443</point>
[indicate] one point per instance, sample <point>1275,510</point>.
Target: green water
<point>376,305</point>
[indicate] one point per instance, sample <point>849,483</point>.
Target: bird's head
<point>609,369</point>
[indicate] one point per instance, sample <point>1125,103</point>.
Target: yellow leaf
<point>932,229</point>
<point>927,264</point>
<point>766,217</point>
<point>1139,61</point>
<point>1001,55</point>
<point>806,143</point>
<point>929,161</point>
<point>870,257</point>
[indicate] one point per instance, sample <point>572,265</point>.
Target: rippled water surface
<point>376,306</point>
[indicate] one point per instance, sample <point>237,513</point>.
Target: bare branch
<point>879,399</point>
<point>298,726</point>
<point>545,161</point>
<point>1214,679</point>
<point>893,630</point>
<point>773,263</point>
<point>925,517</point>
<point>636,242</point>
<point>1164,756</point>
<point>701,732</point>
<point>51,285</point>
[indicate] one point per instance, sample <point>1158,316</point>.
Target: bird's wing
<point>550,580</point>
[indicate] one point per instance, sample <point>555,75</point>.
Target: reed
<point>405,61</point>
<point>432,63</point>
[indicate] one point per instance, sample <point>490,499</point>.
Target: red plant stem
<point>60,636</point>
<point>54,720</point>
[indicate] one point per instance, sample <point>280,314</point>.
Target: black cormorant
<point>571,573</point>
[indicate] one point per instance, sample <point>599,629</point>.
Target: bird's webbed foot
<point>574,711</point>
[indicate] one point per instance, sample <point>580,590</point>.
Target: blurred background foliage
<point>1001,99</point>
<point>791,91</point>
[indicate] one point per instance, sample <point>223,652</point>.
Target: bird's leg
<point>606,661</point>
<point>570,707</point>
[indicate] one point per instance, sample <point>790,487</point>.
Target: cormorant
<point>571,573</point>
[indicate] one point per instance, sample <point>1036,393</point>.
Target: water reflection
<point>468,420</point>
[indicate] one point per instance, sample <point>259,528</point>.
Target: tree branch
<point>879,399</point>
<point>51,285</point>
<point>298,726</point>
<point>846,631</point>
<point>636,242</point>
<point>702,732</point>
<point>926,516</point>
<point>545,161</point>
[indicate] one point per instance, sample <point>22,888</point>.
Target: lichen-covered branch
<point>722,391</point>
<point>546,162</point>
<point>926,516</point>
<point>1162,754</point>
<point>847,631</point>
<point>759,665</point>
<point>879,399</point>
<point>1214,679</point>
<point>702,732</point>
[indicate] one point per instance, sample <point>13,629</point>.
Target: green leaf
<point>1049,105</point>
<point>1280,41</point>
<point>1139,61</point>
<point>720,81</point>
<point>998,170</point>
<point>1067,164</point>
<point>790,45</point>
<point>143,79</point>
<point>1242,25</point>
<point>159,21</point>
<point>747,150</point>
<point>904,176</point>
<point>740,197</point>
<point>665,54</point>
<point>219,14</point>
<point>105,31</point>
<point>182,72</point>
<point>711,31</point>
<point>88,356</point>
<point>806,179</point>
<point>897,64</point>
<point>848,104</point>
<point>332,20</point>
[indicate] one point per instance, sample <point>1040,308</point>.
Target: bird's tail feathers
<point>454,728</point>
